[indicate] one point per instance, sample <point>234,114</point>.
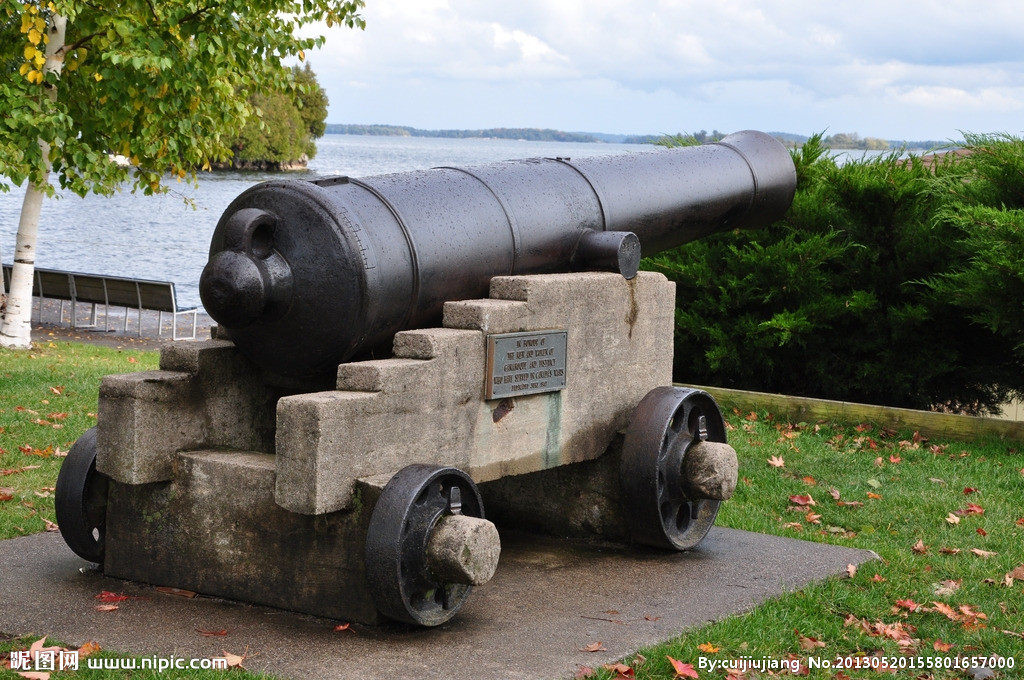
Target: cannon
<point>305,275</point>
<point>331,452</point>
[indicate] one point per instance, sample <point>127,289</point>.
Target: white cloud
<point>638,66</point>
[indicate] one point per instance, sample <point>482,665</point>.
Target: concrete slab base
<point>548,600</point>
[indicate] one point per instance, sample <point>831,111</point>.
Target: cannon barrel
<point>307,274</point>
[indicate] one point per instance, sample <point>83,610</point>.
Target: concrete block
<point>427,404</point>
<point>489,316</point>
<point>215,529</point>
<point>206,395</point>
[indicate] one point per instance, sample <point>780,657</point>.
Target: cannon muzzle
<point>307,274</point>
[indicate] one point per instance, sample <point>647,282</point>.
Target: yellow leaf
<point>24,68</point>
<point>97,76</point>
<point>40,59</point>
<point>708,648</point>
<point>35,77</point>
<point>30,51</point>
<point>302,55</point>
<point>34,36</point>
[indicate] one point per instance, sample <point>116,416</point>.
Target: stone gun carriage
<point>330,452</point>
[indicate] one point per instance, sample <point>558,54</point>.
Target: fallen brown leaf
<point>621,670</point>
<point>683,670</point>
<point>106,607</point>
<point>234,660</point>
<point>952,519</point>
<point>88,649</point>
<point>983,553</point>
<point>920,548</point>
<point>808,643</point>
<point>940,646</point>
<point>594,647</point>
<point>803,500</point>
<point>851,570</point>
<point>212,633</point>
<point>909,605</point>
<point>776,461</point>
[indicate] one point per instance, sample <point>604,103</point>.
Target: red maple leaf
<point>683,670</point>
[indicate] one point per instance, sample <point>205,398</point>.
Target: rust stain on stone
<point>503,408</point>
<point>634,308</point>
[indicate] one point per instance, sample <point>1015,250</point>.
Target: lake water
<point>163,238</point>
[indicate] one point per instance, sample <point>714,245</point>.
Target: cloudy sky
<point>899,69</point>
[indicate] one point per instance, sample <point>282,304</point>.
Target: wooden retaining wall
<point>932,425</point>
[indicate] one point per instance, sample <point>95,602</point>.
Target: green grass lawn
<point>946,519</point>
<point>48,398</point>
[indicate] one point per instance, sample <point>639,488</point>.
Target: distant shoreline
<point>549,135</point>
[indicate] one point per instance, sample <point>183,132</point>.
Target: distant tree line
<point>844,140</point>
<point>529,134</point>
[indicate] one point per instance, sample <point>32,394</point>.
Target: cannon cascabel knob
<point>232,289</point>
<point>249,280</point>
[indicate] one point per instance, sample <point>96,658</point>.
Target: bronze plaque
<point>525,363</point>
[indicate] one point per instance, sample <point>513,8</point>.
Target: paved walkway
<point>547,602</point>
<point>56,325</point>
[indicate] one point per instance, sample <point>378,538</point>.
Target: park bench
<point>109,291</point>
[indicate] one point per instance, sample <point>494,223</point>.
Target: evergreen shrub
<point>895,281</point>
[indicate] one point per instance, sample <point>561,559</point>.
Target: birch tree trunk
<point>16,330</point>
